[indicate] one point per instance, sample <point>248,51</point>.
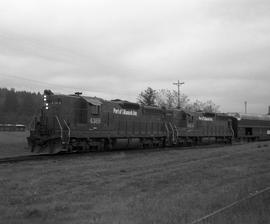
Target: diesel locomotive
<point>81,123</point>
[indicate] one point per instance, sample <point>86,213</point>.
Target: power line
<point>22,78</point>
<point>60,87</point>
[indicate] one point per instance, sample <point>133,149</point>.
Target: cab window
<point>95,109</point>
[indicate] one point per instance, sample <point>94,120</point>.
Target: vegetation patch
<point>175,186</point>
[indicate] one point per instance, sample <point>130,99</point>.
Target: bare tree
<point>208,106</point>
<point>169,99</point>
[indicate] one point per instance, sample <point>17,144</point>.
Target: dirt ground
<point>163,186</point>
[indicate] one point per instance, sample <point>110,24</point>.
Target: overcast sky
<point>117,48</point>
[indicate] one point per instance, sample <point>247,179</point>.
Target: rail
<point>31,157</point>
<point>16,159</point>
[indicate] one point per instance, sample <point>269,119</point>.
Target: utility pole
<point>245,107</point>
<point>178,85</point>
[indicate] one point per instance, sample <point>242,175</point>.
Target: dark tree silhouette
<point>167,98</point>
<point>11,102</point>
<point>148,97</point>
<point>18,106</point>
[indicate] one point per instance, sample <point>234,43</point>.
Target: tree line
<point>169,99</point>
<point>18,107</point>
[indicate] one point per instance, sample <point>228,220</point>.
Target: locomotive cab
<point>91,110</point>
<point>61,114</point>
<point>51,127</point>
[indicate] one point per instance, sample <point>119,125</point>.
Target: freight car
<point>251,127</point>
<point>81,123</point>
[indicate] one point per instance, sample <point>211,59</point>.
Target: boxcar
<point>252,127</point>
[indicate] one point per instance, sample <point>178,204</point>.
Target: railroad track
<point>16,159</point>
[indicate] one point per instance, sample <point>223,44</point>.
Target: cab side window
<point>95,109</point>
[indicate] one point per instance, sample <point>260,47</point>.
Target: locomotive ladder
<point>176,131</point>
<point>64,133</point>
<point>60,126</point>
<point>167,131</point>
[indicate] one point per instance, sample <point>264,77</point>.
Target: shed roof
<point>261,117</point>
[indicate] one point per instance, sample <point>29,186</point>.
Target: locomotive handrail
<point>167,130</point>
<point>176,130</point>
<point>61,129</point>
<point>172,132</point>
<point>68,130</point>
<point>31,123</point>
<point>232,131</point>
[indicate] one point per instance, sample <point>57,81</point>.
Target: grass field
<point>174,186</point>
<point>13,143</point>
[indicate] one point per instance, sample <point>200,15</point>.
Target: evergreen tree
<point>148,97</point>
<point>28,105</point>
<point>18,106</point>
<point>11,102</point>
